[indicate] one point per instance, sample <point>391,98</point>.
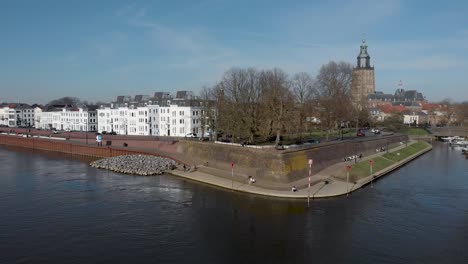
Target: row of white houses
<point>19,115</point>
<point>69,119</point>
<point>154,120</point>
<point>158,115</point>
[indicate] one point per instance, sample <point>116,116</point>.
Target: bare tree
<point>461,113</point>
<point>241,93</point>
<point>302,86</point>
<point>67,100</point>
<point>449,110</point>
<point>277,101</point>
<point>334,94</point>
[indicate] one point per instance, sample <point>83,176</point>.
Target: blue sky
<point>96,50</point>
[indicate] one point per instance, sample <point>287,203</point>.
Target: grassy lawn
<point>415,131</point>
<point>362,169</point>
<point>406,152</point>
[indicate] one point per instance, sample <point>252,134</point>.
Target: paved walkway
<point>324,184</point>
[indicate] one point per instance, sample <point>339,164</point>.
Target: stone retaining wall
<point>282,165</point>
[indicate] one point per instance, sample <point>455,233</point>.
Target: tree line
<point>257,105</point>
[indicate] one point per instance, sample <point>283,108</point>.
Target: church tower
<point>363,82</point>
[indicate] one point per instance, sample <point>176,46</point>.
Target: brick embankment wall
<point>71,147</point>
<point>281,165</point>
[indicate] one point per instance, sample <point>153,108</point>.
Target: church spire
<point>363,59</point>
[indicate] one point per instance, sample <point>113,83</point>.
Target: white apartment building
<point>154,120</point>
<point>157,115</point>
<point>416,118</point>
<point>124,120</point>
<point>19,115</point>
<point>177,121</point>
<point>5,116</point>
<point>69,119</point>
<point>27,116</point>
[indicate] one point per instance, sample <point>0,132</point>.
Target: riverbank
<point>327,174</point>
<point>326,183</point>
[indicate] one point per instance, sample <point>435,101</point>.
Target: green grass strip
<point>414,131</point>
<point>362,169</point>
<point>406,152</point>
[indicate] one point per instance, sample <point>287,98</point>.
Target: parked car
<point>313,141</point>
<point>360,134</point>
<point>376,131</point>
<point>191,135</point>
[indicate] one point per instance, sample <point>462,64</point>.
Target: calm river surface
<point>55,209</point>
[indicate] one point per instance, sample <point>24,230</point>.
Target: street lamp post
<point>232,176</point>
<point>310,171</point>
<point>348,168</point>
<point>342,125</point>
<point>87,127</point>
<point>371,163</point>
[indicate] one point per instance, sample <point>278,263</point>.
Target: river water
<point>57,209</point>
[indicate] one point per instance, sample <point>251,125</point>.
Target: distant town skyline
<point>96,50</point>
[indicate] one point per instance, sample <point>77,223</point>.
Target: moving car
<point>360,134</point>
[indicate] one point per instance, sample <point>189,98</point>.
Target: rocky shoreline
<point>144,165</point>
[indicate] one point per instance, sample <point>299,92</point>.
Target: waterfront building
<point>158,115</point>
<point>19,115</point>
<point>128,120</point>
<point>5,116</point>
<point>69,118</point>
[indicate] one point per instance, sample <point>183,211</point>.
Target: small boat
<point>452,139</point>
<point>459,143</point>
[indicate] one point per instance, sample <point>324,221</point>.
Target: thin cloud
<point>190,48</point>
